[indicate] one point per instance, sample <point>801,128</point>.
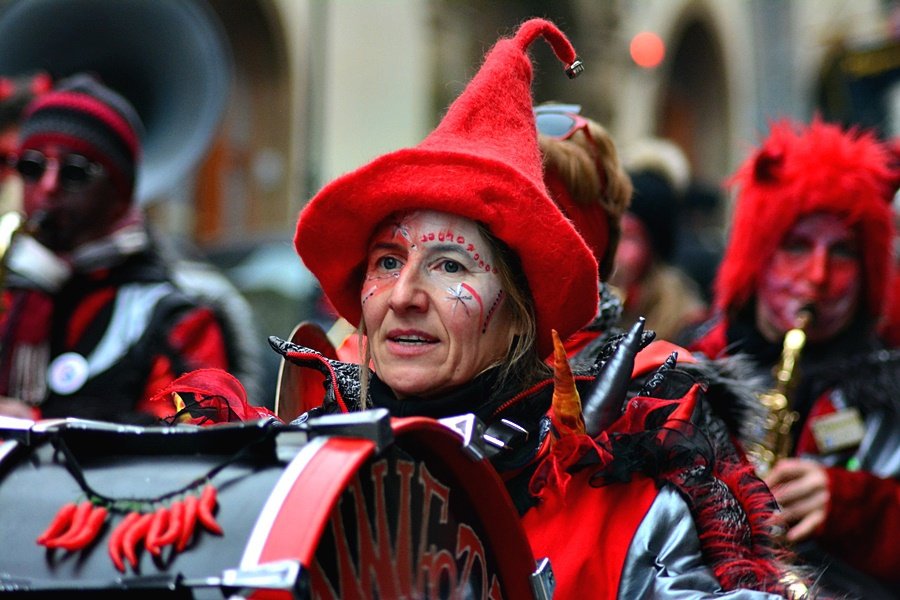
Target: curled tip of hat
<point>562,47</point>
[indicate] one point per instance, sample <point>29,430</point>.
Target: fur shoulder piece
<point>680,442</point>
<point>732,387</point>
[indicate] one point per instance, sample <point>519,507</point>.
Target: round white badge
<point>67,373</point>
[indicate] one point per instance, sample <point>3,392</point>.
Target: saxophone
<point>774,441</point>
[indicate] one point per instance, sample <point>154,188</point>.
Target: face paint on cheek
<point>459,297</point>
<point>374,287</point>
<point>840,300</point>
<point>501,295</point>
<point>369,293</point>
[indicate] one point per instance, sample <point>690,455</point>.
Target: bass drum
<point>349,506</point>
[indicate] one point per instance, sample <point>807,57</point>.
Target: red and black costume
<point>100,341</point>
<point>662,484</point>
<point>796,172</point>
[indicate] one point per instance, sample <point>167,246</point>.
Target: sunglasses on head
<point>560,121</point>
<point>74,170</point>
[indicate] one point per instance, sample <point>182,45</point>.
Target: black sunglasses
<point>74,170</point>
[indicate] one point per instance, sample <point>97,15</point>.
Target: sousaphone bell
<point>169,58</point>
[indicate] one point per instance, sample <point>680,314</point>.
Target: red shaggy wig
<point>799,170</point>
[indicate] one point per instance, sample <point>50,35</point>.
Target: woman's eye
<point>451,266</point>
<point>388,262</point>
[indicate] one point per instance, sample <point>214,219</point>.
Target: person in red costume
<point>462,275</point>
<point>811,237</point>
<point>645,275</point>
<point>92,323</point>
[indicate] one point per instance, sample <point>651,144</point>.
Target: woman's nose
<point>408,293</point>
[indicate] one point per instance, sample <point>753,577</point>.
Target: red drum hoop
<point>351,507</point>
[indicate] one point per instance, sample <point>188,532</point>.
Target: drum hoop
<point>277,534</point>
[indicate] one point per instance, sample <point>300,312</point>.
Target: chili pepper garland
<point>77,525</point>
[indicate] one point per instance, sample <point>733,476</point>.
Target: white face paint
<point>432,303</point>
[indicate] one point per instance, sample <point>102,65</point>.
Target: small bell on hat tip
<point>562,47</point>
<point>575,69</point>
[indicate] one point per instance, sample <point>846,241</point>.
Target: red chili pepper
<point>79,520</point>
<point>88,533</point>
<point>60,522</point>
<point>170,535</point>
<point>157,525</point>
<point>188,522</point>
<point>205,510</point>
<point>134,535</point>
<point>115,539</point>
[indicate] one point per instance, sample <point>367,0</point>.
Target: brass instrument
<point>11,224</point>
<point>774,441</point>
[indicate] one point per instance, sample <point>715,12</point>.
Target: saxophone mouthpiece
<point>805,317</point>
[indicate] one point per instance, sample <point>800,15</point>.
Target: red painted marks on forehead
<point>449,236</point>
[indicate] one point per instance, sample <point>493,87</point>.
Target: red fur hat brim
<point>335,228</point>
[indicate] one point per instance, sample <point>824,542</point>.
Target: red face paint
<point>817,265</point>
<point>633,255</point>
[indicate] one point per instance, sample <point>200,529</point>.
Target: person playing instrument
<point>92,323</point>
<point>463,276</point>
<point>811,238</point>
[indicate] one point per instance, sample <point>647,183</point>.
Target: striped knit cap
<point>92,120</point>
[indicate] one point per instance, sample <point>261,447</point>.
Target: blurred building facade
<point>322,86</point>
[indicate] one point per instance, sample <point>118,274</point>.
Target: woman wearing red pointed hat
<point>462,275</point>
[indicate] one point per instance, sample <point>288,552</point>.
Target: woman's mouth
<point>411,338</point>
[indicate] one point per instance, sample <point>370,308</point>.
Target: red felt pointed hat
<point>483,163</point>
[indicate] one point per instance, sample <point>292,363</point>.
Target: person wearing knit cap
<point>92,323</point>
<point>461,275</point>
<point>651,286</point>
<point>810,251</point>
